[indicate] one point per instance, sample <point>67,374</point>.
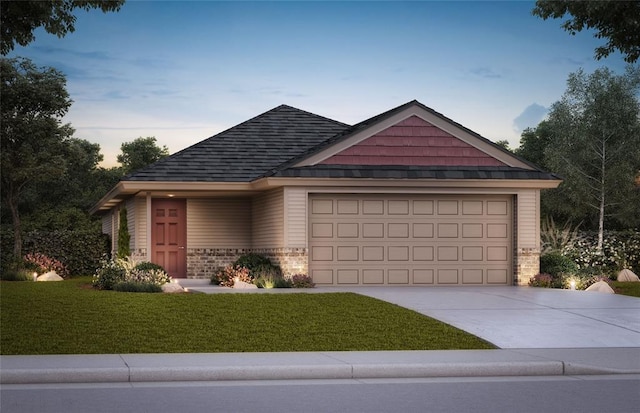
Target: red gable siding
<point>413,141</point>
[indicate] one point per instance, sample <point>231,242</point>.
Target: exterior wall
<point>214,223</point>
<point>204,262</point>
<point>130,204</point>
<point>267,217</point>
<point>295,216</point>
<point>140,205</point>
<point>413,141</point>
<point>528,237</point>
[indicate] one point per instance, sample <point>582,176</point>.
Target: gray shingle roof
<point>246,151</point>
<point>271,143</point>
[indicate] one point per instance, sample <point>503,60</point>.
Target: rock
<point>627,276</point>
<point>242,284</point>
<point>601,287</point>
<point>172,288</point>
<point>50,276</point>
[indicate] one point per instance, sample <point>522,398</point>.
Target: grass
<point>626,288</point>
<point>69,318</point>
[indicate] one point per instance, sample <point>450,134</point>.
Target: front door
<point>169,235</point>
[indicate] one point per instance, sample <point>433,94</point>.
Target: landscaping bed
<point>69,318</point>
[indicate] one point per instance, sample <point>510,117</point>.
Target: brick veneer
<point>528,265</point>
<point>204,262</point>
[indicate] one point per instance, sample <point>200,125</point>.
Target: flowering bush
<point>226,276</point>
<point>620,249</point>
<point>302,281</point>
<point>127,271</point>
<point>541,280</point>
<point>42,263</point>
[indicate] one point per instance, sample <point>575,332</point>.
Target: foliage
<point>541,280</point>
<point>595,147</point>
<point>79,251</point>
<point>140,153</point>
<point>226,276</point>
<point>34,100</point>
<point>557,264</point>
<point>137,287</point>
<point>64,318</point>
<point>128,270</point>
<point>15,273</point>
<point>123,235</point>
<point>620,249</point>
<point>41,263</point>
<point>533,142</point>
<point>19,19</point>
<point>616,21</point>
<point>253,261</point>
<point>302,281</point>
<point>108,275</point>
<point>555,238</point>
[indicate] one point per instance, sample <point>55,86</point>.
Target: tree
<point>34,100</point>
<point>533,143</point>
<point>595,147</point>
<point>617,21</point>
<point>19,19</point>
<point>504,144</point>
<point>139,153</point>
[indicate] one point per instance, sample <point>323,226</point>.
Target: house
<point>408,197</point>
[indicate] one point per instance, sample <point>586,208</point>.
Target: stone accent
<point>204,262</point>
<point>527,265</point>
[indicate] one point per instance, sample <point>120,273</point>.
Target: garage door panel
<point>410,240</point>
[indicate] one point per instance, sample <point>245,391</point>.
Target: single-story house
<point>408,197</point>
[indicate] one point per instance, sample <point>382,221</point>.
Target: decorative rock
<point>628,276</point>
<point>601,287</point>
<point>172,288</point>
<point>50,276</point>
<point>242,284</point>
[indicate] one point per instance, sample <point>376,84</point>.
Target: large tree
<point>533,143</point>
<point>34,100</point>
<point>19,19</point>
<point>595,145</point>
<point>140,152</point>
<point>616,21</point>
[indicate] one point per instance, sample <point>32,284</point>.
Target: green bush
<point>252,261</point>
<point>80,251</point>
<point>282,283</point>
<point>15,273</point>
<point>108,275</point>
<point>137,287</point>
<point>147,266</point>
<point>541,280</point>
<point>556,264</point>
<point>620,249</point>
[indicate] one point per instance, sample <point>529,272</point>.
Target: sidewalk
<point>316,365</point>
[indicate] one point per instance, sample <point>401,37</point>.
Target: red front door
<point>169,235</point>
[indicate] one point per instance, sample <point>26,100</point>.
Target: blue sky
<point>185,70</point>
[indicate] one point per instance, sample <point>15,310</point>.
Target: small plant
<point>541,280</point>
<point>226,276</point>
<point>42,263</point>
<point>128,271</point>
<point>137,287</point>
<point>108,275</point>
<point>252,261</point>
<point>15,273</point>
<point>556,265</point>
<point>155,277</point>
<point>146,265</point>
<point>556,238</point>
<point>302,281</point>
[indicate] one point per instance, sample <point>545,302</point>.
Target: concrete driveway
<point>509,317</point>
<point>525,317</point>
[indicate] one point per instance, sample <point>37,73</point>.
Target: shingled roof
<point>247,151</point>
<point>272,143</point>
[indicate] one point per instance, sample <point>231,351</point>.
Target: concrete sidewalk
<point>316,365</point>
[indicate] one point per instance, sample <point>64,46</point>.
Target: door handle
<point>180,248</point>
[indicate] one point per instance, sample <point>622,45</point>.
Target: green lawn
<point>626,288</point>
<point>69,317</point>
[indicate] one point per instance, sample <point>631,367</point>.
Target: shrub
<point>15,273</point>
<point>258,265</point>
<point>541,280</point>
<point>42,263</point>
<point>226,276</point>
<point>123,235</point>
<point>137,287</point>
<point>146,265</point>
<point>620,249</point>
<point>108,275</point>
<point>556,264</point>
<point>282,283</point>
<point>302,281</point>
<point>155,277</point>
<point>557,238</point>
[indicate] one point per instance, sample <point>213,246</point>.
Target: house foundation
<point>204,262</point>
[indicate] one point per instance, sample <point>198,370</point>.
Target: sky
<point>182,71</point>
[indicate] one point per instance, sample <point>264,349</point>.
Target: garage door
<point>410,240</point>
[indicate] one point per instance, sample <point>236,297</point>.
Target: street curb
<point>136,368</point>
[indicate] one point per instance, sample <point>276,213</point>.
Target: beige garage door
<point>410,240</point>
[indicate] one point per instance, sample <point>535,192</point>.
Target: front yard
<point>72,318</point>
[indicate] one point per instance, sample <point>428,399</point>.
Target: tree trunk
<point>603,170</point>
<point>12,200</point>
